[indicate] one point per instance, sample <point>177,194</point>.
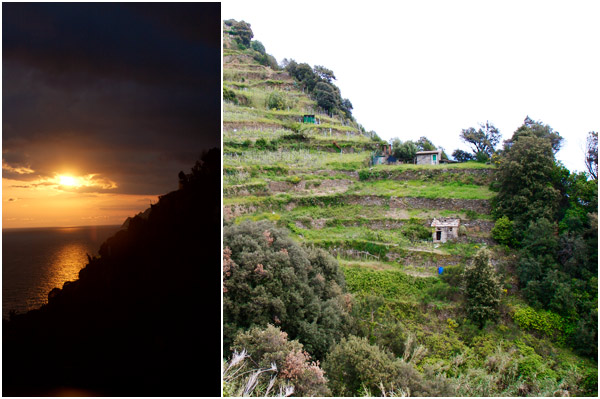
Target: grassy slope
<point>292,182</point>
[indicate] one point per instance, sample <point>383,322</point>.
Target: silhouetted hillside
<point>143,318</point>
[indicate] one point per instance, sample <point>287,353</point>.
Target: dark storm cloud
<point>127,91</point>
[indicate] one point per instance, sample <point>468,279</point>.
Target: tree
<point>346,107</point>
<point>462,156</point>
<point>290,66</point>
<point>591,158</point>
<point>482,289</point>
<point>325,95</point>
<point>482,141</point>
<point>404,151</point>
<point>273,280</point>
<point>585,337</point>
<point>243,30</point>
<point>529,128</point>
<point>525,183</point>
<point>424,144</point>
<point>324,74</point>
<point>538,252</point>
<point>304,73</point>
<point>258,46</point>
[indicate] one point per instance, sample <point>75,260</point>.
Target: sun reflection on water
<point>66,264</point>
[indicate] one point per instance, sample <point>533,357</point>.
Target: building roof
<point>445,222</point>
<point>428,152</point>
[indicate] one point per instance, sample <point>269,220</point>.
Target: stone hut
<point>445,229</point>
<point>429,157</point>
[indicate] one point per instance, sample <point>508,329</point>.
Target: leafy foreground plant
<point>276,367</point>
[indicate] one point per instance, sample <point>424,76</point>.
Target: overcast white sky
<point>432,68</point>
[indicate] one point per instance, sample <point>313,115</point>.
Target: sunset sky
<point>102,105</point>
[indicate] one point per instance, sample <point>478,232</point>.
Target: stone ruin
<point>445,229</point>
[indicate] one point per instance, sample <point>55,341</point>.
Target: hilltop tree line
<point>242,33</point>
<point>318,82</point>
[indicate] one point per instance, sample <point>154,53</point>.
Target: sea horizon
<point>60,227</point>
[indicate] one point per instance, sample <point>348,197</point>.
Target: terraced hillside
<point>316,180</point>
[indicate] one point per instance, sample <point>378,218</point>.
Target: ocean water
<point>34,261</point>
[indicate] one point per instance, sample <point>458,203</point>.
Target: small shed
<point>308,119</point>
<point>445,229</point>
<point>429,157</point>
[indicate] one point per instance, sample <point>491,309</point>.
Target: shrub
<point>276,100</point>
<point>482,157</point>
<point>275,281</point>
<point>270,346</point>
<point>542,321</point>
<point>414,230</point>
<point>229,95</point>
<point>261,143</point>
<point>503,231</point>
<point>355,367</point>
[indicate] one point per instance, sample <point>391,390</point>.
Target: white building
<point>445,229</point>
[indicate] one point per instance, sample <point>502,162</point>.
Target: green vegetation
<point>503,231</point>
<point>338,254</point>
<point>465,165</point>
<point>482,289</point>
<point>391,284</point>
<point>268,279</point>
<point>355,367</point>
<point>422,189</point>
<point>277,367</point>
<point>304,159</point>
<point>556,230</point>
<point>482,141</point>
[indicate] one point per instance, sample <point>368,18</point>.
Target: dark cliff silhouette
<point>144,318</point>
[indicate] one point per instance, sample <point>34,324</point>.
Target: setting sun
<point>67,180</point>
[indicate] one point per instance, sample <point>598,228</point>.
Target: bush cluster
<point>355,367</point>
<point>272,280</point>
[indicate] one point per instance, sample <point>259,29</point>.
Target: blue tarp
<point>440,270</point>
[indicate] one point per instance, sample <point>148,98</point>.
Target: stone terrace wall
<point>475,205</point>
<point>472,176</point>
